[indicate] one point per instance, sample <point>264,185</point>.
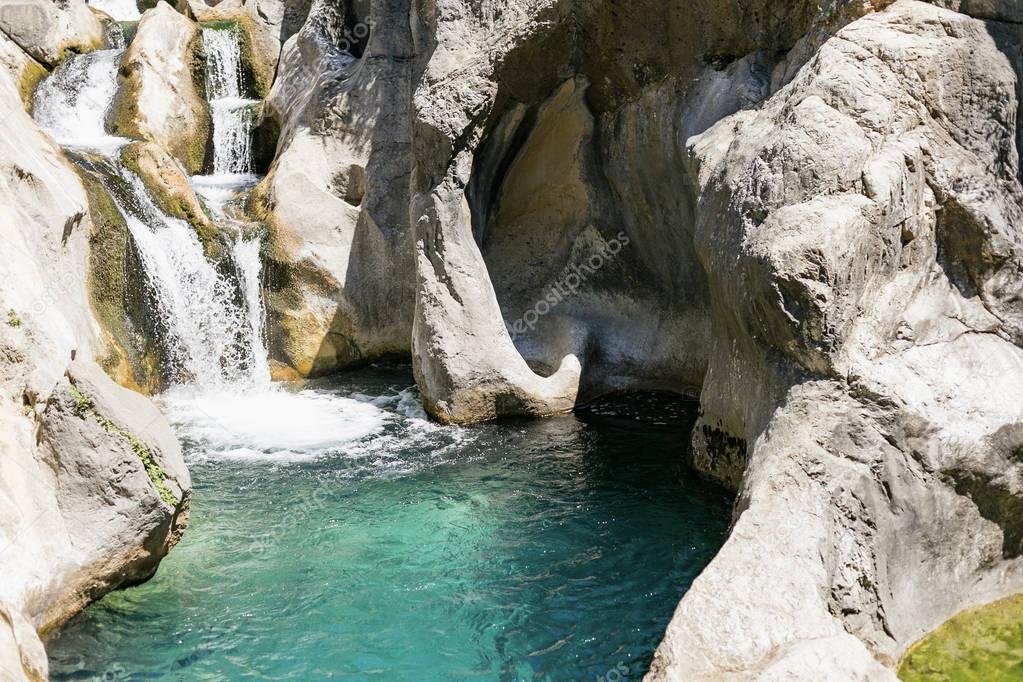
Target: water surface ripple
<point>524,550</point>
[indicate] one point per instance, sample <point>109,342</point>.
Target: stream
<point>335,531</point>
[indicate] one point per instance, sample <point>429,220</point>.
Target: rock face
<point>336,199</point>
<point>807,214</point>
<point>868,283</point>
<point>48,31</point>
<point>93,490</point>
<point>159,99</point>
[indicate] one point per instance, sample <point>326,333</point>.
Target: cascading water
<point>213,341</point>
<point>72,103</point>
<point>232,119</point>
<point>212,338</point>
<point>211,324</point>
<point>232,113</point>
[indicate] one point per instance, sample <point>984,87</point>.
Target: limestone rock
<point>340,271</point>
<point>168,185</point>
<point>69,530</point>
<point>21,68</point>
<point>48,30</point>
<point>159,98</point>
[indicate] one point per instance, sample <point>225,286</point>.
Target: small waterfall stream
<point>72,103</point>
<point>213,323</point>
<point>211,315</point>
<point>232,113</point>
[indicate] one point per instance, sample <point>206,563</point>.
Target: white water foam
<point>119,10</point>
<point>72,104</point>
<point>232,113</point>
<point>271,424</point>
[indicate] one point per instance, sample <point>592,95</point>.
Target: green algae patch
<point>12,318</point>
<point>31,75</point>
<point>116,289</point>
<point>984,644</point>
<point>156,474</point>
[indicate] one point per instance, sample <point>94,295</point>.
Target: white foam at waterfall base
<point>72,103</point>
<point>270,423</point>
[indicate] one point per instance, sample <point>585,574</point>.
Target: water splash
<point>213,340</point>
<point>72,104</point>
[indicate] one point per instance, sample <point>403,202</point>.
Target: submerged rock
<point>340,270</point>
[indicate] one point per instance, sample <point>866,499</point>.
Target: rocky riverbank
<point>807,214</point>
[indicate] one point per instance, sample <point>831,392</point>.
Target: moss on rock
<point>171,191</point>
<point>31,75</point>
<point>116,286</point>
<point>984,643</point>
<point>156,474</point>
<point>164,57</point>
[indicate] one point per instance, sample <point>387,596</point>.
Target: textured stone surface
<point>335,198</point>
<point>78,513</point>
<point>158,99</point>
<point>47,30</point>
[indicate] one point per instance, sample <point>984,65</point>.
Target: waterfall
<point>211,323</point>
<point>72,103</point>
<point>213,341</point>
<point>250,267</point>
<point>232,113</point>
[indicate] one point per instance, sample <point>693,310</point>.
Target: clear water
<point>402,550</point>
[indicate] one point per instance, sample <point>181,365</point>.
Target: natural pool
<point>530,550</point>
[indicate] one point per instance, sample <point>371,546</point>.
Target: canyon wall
<point>807,214</point>
<point>93,489</point>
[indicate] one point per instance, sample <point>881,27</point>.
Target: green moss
<point>12,319</point>
<point>116,294</point>
<point>194,150</point>
<point>983,645</point>
<point>156,474</point>
<point>175,204</point>
<point>31,75</point>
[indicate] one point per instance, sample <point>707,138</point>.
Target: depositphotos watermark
<point>616,674</point>
<point>568,285</point>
